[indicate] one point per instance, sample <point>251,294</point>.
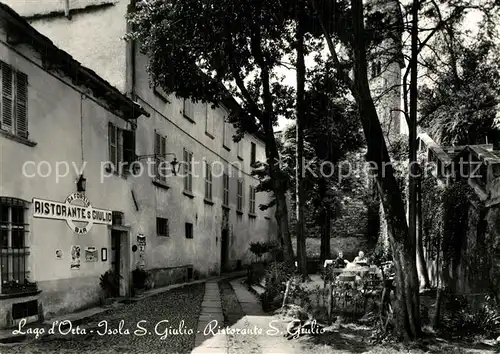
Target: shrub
<point>110,283</point>
<point>140,278</point>
<point>261,248</point>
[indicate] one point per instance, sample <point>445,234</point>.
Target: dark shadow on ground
<point>231,308</point>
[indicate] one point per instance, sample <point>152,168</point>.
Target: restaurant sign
<point>75,209</point>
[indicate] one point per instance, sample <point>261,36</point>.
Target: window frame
<point>253,153</point>
<point>252,198</point>
<point>188,170</point>
<point>239,195</point>
<point>9,252</point>
<point>162,227</point>
<point>189,230</point>
<point>208,181</point>
<point>225,189</point>
<point>209,121</point>
<point>188,109</point>
<point>17,99</point>
<point>160,150</point>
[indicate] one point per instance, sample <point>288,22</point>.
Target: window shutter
<point>7,99</point>
<point>119,146</point>
<point>22,104</point>
<point>129,146</point>
<point>163,146</point>
<point>157,145</point>
<point>112,143</point>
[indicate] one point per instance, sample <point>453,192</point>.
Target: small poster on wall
<point>59,254</point>
<point>90,254</point>
<point>75,257</point>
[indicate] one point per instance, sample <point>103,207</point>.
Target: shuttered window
<point>14,101</point>
<point>225,189</point>
<point>121,147</point>
<point>188,171</point>
<point>252,200</point>
<point>226,135</point>
<point>208,181</point>
<point>188,109</point>
<point>239,200</point>
<point>160,152</point>
<point>209,128</point>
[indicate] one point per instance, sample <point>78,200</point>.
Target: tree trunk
<point>421,263</point>
<point>403,247</point>
<point>325,236</point>
<point>300,111</point>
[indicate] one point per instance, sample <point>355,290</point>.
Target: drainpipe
<point>66,9</point>
<point>131,53</point>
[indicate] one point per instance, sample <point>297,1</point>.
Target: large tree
<point>212,50</point>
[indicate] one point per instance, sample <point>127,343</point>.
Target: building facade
<point>73,144</point>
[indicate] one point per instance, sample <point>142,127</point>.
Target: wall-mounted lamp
<point>174,163</point>
<point>81,184</point>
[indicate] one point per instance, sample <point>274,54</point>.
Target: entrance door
<point>224,246</point>
<point>116,253</point>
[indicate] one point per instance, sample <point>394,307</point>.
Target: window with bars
<point>188,109</point>
<point>189,230</point>
<point>162,227</point>
<point>239,196</point>
<point>208,181</point>
<point>225,189</point>
<point>160,157</point>
<point>252,200</point>
<point>188,171</point>
<point>13,250</point>
<point>121,146</point>
<point>14,102</point>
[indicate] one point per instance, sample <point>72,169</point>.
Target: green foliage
<point>140,278</point>
<point>261,248</point>
<point>463,320</point>
<point>110,283</point>
<point>461,106</point>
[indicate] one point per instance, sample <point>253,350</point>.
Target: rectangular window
<point>209,120</point>
<point>189,230</point>
<point>252,200</point>
<point>239,199</point>
<point>13,250</point>
<point>14,102</point>
<point>162,227</point>
<point>188,171</point>
<point>208,181</point>
<point>121,147</point>
<point>160,158</point>
<point>240,149</point>
<point>225,189</point>
<point>226,137</point>
<point>253,153</point>
<point>188,109</point>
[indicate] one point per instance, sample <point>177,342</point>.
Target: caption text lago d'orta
<point>164,329</point>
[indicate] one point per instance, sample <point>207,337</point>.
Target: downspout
<point>66,9</point>
<point>131,53</point>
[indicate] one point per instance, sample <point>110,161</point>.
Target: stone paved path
<point>255,332</point>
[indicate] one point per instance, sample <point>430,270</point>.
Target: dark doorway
<point>115,253</point>
<point>224,246</point>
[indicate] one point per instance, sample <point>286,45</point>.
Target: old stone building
<point>81,99</point>
<point>461,185</point>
